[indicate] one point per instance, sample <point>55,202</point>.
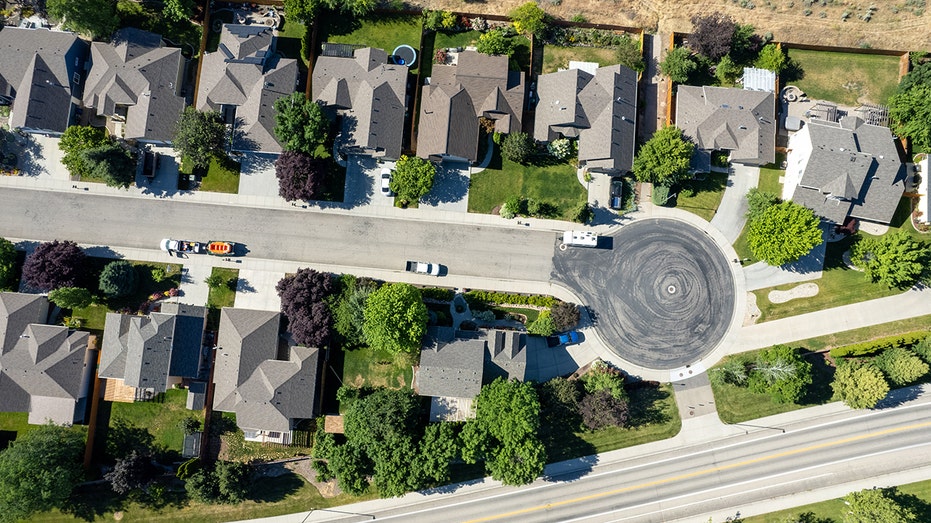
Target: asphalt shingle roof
<point>137,71</point>
<point>265,392</point>
<point>38,68</point>
<point>456,367</point>
<point>854,169</point>
<point>372,94</point>
<point>599,109</point>
<point>42,367</point>
<point>740,121</point>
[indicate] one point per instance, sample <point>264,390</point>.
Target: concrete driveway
<point>450,188</point>
<point>363,182</point>
<point>257,175</point>
<point>731,215</point>
<point>40,157</point>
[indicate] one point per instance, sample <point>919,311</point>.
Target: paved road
<point>719,477</point>
<point>313,237</point>
<point>663,295</point>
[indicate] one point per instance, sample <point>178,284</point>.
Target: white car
<point>182,246</point>
<point>386,182</point>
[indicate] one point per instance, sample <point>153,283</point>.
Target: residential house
<point>135,82</point>
<point>369,94</point>
<point>40,72</point>
<point>269,384</point>
<point>739,121</point>
<point>849,168</point>
<point>457,95</point>
<point>242,79</point>
<point>151,353</point>
<point>45,370</point>
<point>455,364</point>
<point>596,105</point>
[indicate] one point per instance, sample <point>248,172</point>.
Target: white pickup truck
<point>433,269</point>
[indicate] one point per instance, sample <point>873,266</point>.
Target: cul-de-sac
<point>296,261</point>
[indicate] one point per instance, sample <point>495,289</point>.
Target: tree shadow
<point>243,285</point>
<point>337,24</point>
<point>822,374</point>
<point>450,185</point>
<point>898,397</point>
<point>275,489</point>
<point>646,405</point>
<point>920,507</point>
<point>93,502</point>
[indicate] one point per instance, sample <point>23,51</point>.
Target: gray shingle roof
<point>136,71</point>
<point>370,91</point>
<point>144,351</point>
<point>479,85</point>
<point>38,67</point>
<point>456,367</point>
<point>854,169</point>
<point>246,73</point>
<point>506,356</point>
<point>740,121</point>
<point>265,392</point>
<point>42,367</point>
<point>600,110</point>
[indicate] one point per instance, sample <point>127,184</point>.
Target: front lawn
<point>384,31</point>
<point>555,184</point>
<point>838,285</point>
<point>837,339</point>
<point>161,417</point>
<point>366,366</point>
<point>221,296</point>
<point>847,78</point>
<point>557,57</point>
<point>706,195</point>
<point>222,176</point>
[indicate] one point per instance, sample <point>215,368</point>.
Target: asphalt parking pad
<point>662,296</point>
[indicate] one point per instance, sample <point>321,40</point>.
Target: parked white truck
<point>433,269</point>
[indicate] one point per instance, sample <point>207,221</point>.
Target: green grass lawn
<point>366,366</point>
<point>463,39</point>
<point>531,314</point>
<point>383,31</point>
<point>847,78</point>
<point>222,296</point>
<point>557,57</point>
<point>837,339</point>
<point>901,221</point>
<point>555,184</point>
<point>161,417</point>
<point>12,425</point>
<point>222,176</point>
<point>706,197</point>
<point>290,37</point>
<point>832,511</point>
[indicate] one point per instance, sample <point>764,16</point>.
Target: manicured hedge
<point>434,293</point>
<point>503,298</point>
<point>869,348</point>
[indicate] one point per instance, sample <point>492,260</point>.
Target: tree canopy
<point>664,159</point>
<point>495,42</point>
<point>517,147</point>
<point>910,112</point>
<point>395,318</point>
<point>529,18</point>
<point>199,135</point>
<point>413,178</point>
<point>118,279</point>
<point>758,201</point>
<point>301,125</point>
<point>75,141</point>
<point>712,35</point>
<point>349,311</point>
<point>70,297</point>
<point>300,176</point>
<point>678,65</point>
<point>306,10</point>
<point>783,233</point>
<point>227,482</point>
<point>504,432</point>
<point>112,163</point>
<point>772,57</point>
<point>54,264</point>
<point>901,366</point>
<point>895,259</point>
<point>7,264</point>
<point>628,53</point>
<point>39,470</point>
<point>781,372</point>
<point>859,385</point>
<point>303,301</point>
<point>178,10</point>
<point>876,506</point>
<point>133,472</point>
<point>95,18</point>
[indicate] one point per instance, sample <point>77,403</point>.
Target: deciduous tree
<point>413,178</point>
<point>517,147</point>
<point>71,297</point>
<point>7,264</point>
<point>543,325</point>
<point>628,53</point>
<point>712,34</point>
<point>200,135</point>
<point>118,279</point>
<point>53,265</point>
<point>895,259</point>
<point>781,372</point>
<point>901,366</point>
<point>783,233</point>
<point>565,315</point>
<point>758,201</point>
<point>664,159</point>
<point>303,301</point>
<point>495,42</point>
<point>395,318</point>
<point>95,18</point>
<point>133,472</point>
<point>300,176</point>
<point>602,409</point>
<point>438,449</point>
<point>39,470</point>
<point>678,65</point>
<point>111,162</point>
<point>178,10</point>
<point>772,57</point>
<point>602,376</point>
<point>859,385</point>
<point>529,18</point>
<point>301,125</point>
<point>75,141</point>
<point>876,506</point>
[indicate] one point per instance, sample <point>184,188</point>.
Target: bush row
<point>869,348</point>
<point>503,298</point>
<point>434,293</point>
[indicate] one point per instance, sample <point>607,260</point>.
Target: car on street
<point>433,269</point>
<point>183,246</point>
<point>386,182</point>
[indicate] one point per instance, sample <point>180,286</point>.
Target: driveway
<point>363,182</point>
<point>731,215</point>
<point>257,175</point>
<point>450,188</point>
<point>40,157</point>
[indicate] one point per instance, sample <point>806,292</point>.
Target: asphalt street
<point>717,477</point>
<point>299,235</point>
<point>663,293</point>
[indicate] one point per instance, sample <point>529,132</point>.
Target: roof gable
<point>740,121</point>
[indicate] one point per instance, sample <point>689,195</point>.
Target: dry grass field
<point>893,24</point>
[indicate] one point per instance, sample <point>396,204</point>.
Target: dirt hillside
<point>890,24</point>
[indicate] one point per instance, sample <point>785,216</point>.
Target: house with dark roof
<point>598,106</point>
<point>41,72</point>
<point>849,168</point>
<point>369,94</point>
<point>151,353</point>
<point>739,121</point>
<point>455,364</point>
<point>45,370</point>
<point>135,82</point>
<point>268,383</point>
<point>242,79</point>
<point>457,95</point>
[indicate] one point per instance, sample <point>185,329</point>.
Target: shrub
<point>869,348</point>
<point>158,274</point>
<point>601,410</point>
<point>565,315</point>
<point>734,371</point>
<point>923,349</point>
<point>543,325</point>
<point>53,265</point>
<point>582,213</point>
<point>660,194</point>
<point>481,298</point>
<point>434,293</point>
<point>512,207</point>
<point>901,366</point>
<point>118,279</point>
<point>561,148</point>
